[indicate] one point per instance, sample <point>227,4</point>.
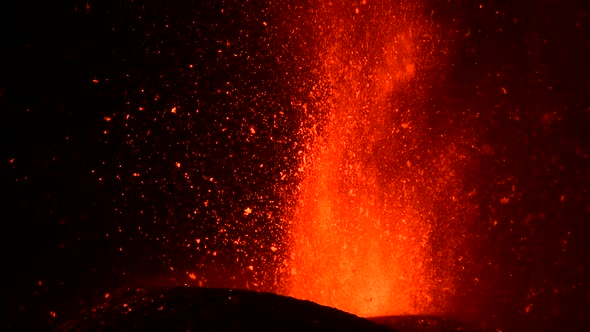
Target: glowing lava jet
<point>362,226</point>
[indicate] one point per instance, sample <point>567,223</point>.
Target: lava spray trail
<point>361,236</point>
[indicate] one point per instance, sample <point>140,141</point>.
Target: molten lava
<point>360,237</point>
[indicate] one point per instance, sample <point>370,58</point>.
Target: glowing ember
<point>361,235</point>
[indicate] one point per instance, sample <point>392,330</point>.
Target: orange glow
<point>360,235</point>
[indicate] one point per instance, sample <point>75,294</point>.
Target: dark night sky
<point>104,185</point>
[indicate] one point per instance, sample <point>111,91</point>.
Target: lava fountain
<point>361,231</point>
